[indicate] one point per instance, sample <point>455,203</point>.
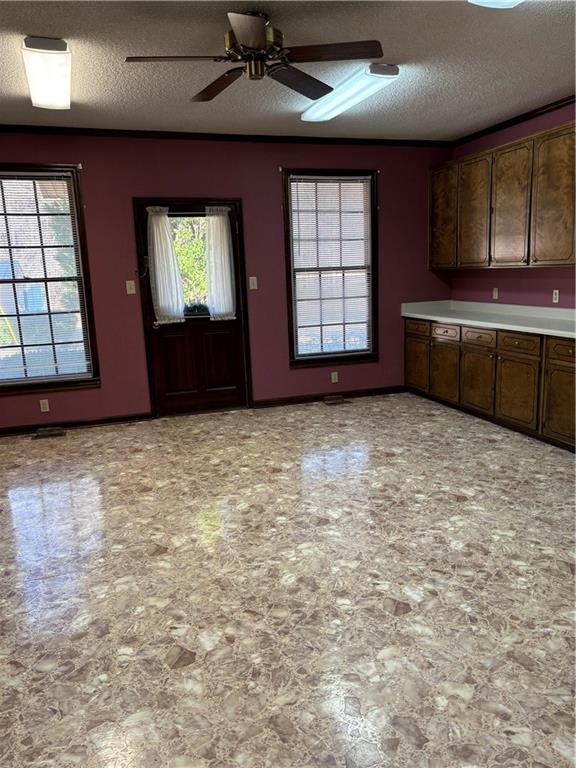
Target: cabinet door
<point>477,371</point>
<point>417,358</point>
<point>552,240</point>
<point>511,177</point>
<point>474,212</point>
<point>443,213</point>
<point>444,370</point>
<point>517,390</point>
<point>558,402</point>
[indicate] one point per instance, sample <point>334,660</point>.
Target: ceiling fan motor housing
<point>238,52</point>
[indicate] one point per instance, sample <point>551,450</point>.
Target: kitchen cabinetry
<point>521,380</point>
<point>552,240</point>
<point>443,215</point>
<point>511,207</point>
<point>474,212</point>
<point>517,378</point>
<point>558,392</point>
<point>477,370</point>
<point>445,362</point>
<point>417,355</point>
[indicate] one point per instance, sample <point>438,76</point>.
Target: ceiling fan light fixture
<point>498,4</point>
<point>351,91</point>
<point>48,65</point>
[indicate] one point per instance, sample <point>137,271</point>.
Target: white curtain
<point>220,267</point>
<point>165,278</point>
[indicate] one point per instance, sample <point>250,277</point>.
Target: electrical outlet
<point>334,377</point>
<point>253,283</point>
<point>555,296</point>
<point>130,287</point>
<point>495,293</point>
<point>44,406</point>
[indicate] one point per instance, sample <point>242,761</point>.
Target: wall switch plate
<point>253,283</point>
<point>130,287</point>
<point>494,293</point>
<point>44,406</point>
<point>555,296</point>
<point>334,377</point>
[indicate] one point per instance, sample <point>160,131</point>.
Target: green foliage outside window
<point>189,236</point>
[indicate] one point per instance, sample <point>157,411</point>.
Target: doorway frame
<point>193,206</point>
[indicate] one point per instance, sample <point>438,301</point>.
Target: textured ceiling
<point>462,67</point>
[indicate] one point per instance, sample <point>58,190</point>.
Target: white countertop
<point>549,321</point>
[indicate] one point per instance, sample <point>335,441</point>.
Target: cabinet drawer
<point>418,327</point>
<point>560,349</point>
<point>448,332</point>
<point>519,342</point>
<point>482,337</point>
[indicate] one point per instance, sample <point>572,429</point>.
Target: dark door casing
<point>200,364</point>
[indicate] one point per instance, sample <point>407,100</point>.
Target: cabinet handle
<point>480,336</point>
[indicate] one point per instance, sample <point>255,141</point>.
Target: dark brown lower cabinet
<point>417,363</point>
<point>517,379</point>
<point>558,401</point>
<point>444,370</point>
<point>521,380</point>
<point>477,374</point>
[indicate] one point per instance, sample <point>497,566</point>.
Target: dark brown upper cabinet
<point>443,217</point>
<point>511,178</point>
<point>511,207</point>
<point>474,212</point>
<point>552,235</point>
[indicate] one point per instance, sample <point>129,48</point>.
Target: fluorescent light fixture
<point>48,65</point>
<point>496,3</point>
<point>351,91</point>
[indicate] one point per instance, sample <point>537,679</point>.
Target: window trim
<point>340,358</point>
<point>72,171</point>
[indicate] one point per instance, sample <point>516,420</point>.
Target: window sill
<point>333,360</point>
<point>48,386</point>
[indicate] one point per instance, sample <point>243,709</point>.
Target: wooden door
<point>198,364</point>
<point>474,212</point>
<point>511,177</point>
<point>517,380</point>
<point>477,375</point>
<point>558,401</point>
<point>444,370</point>
<point>416,362</point>
<point>443,217</point>
<point>552,236</point>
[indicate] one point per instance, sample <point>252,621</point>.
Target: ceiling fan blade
<point>362,49</point>
<point>218,85</point>
<point>298,81</point>
<point>130,59</point>
<point>250,31</point>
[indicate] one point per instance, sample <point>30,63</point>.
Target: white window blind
<point>330,234</point>
<point>43,324</point>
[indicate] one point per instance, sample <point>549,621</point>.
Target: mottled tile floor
<point>385,583</point>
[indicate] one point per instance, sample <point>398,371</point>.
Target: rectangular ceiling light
<point>351,91</point>
<point>48,65</point>
<point>501,4</point>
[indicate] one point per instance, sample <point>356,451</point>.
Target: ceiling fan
<point>259,48</point>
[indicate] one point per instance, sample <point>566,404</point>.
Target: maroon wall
<point>117,169</point>
<point>522,285</point>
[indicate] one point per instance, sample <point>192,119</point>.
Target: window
<point>331,243</point>
<point>44,333</point>
<point>189,238</point>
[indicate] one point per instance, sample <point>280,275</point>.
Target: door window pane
<point>189,237</point>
